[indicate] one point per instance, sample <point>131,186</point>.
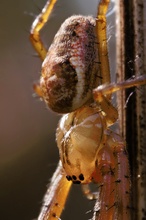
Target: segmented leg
<point>56,196</point>
<point>35,38</point>
<point>37,25</point>
<point>101,25</point>
<point>104,90</point>
<point>114,177</point>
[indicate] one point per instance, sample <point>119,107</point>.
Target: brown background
<point>28,152</point>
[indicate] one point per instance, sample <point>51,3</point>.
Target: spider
<point>75,81</point>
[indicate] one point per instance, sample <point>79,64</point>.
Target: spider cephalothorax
<point>79,135</point>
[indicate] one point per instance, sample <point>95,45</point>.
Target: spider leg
<point>37,25</point>
<point>104,90</point>
<point>114,177</point>
<point>56,196</point>
<point>101,92</point>
<point>35,38</point>
<point>109,111</point>
<point>101,25</point>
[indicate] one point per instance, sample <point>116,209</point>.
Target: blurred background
<point>28,152</point>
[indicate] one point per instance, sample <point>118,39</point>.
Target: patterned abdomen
<point>69,71</point>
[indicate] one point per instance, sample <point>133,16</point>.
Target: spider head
<point>79,135</point>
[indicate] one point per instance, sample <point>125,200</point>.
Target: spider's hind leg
<point>37,25</point>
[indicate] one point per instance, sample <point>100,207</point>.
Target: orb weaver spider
<point>73,69</point>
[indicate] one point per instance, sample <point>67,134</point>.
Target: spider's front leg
<point>56,196</point>
<point>114,177</point>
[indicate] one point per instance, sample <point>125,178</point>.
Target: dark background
<point>28,152</point>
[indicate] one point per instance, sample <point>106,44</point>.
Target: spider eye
<point>69,71</point>
<point>76,179</point>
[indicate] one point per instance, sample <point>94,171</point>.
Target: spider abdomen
<point>69,71</point>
